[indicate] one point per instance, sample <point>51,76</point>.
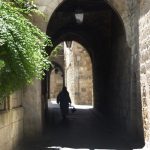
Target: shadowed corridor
<point>85,128</point>
<point>116,97</point>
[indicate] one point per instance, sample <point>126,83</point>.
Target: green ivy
<point>23,6</point>
<point>22,49</point>
<point>56,51</point>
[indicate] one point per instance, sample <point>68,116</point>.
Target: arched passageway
<point>72,67</point>
<point>102,33</point>
<point>78,69</point>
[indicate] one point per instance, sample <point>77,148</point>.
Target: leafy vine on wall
<point>22,47</point>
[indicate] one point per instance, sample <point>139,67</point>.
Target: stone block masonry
<point>11,128</point>
<point>144,43</point>
<point>130,14</point>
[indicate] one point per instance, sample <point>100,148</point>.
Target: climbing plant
<point>22,47</point>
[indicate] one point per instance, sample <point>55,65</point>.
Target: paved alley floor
<point>84,129</point>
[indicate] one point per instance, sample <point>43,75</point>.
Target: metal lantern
<point>68,44</point>
<point>79,16</point>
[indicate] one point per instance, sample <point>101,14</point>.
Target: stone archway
<point>115,75</point>
<point>122,8</point>
<point>78,74</point>
<point>114,54</point>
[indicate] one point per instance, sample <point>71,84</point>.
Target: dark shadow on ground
<point>82,129</point>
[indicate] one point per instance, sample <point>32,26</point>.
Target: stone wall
<point>144,41</point>
<point>12,119</point>
<point>69,72</point>
<point>47,7</point>
<point>11,123</point>
<point>32,104</point>
<point>79,74</point>
<point>56,84</point>
<point>117,83</point>
<point>56,81</point>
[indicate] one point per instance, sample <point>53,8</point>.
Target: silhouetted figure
<point>63,99</point>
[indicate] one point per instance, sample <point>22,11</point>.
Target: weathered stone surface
<point>11,127</point>
<point>126,52</point>
<point>32,103</point>
<point>144,47</point>
<point>56,84</point>
<point>78,68</point>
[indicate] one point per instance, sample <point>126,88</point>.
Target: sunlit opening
<point>72,67</point>
<point>66,148</point>
<point>52,104</point>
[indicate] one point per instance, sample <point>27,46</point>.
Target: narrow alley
<point>84,129</point>
<point>99,50</point>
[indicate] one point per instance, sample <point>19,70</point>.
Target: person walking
<point>64,100</point>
